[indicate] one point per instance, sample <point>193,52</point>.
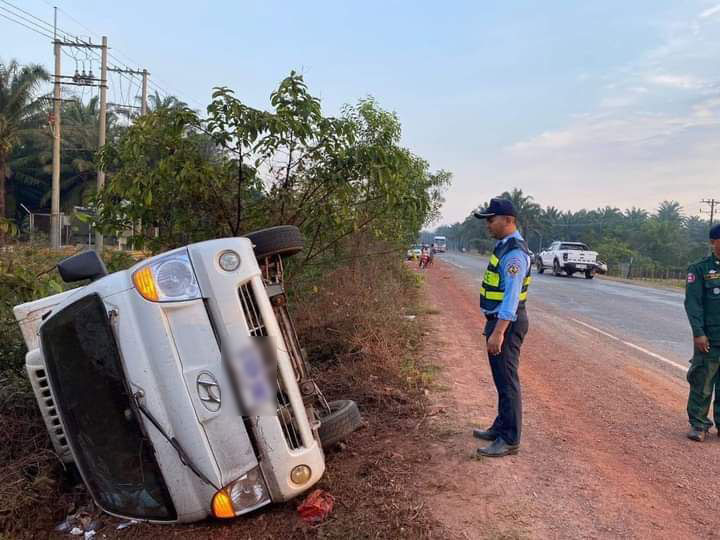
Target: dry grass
<point>32,494</point>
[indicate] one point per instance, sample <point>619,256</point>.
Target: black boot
<point>696,434</point>
<point>499,448</point>
<point>484,435</point>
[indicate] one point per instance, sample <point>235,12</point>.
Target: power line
<point>23,18</point>
<point>26,12</point>
<point>68,36</point>
<point>26,26</point>
<point>47,27</point>
<point>61,10</point>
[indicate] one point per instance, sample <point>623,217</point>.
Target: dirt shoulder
<point>603,451</point>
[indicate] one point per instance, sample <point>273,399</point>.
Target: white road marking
<point>633,346</point>
<point>456,264</point>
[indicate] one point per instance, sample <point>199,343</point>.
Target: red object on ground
<point>316,507</point>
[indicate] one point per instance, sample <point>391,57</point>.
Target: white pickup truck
<point>568,257</point>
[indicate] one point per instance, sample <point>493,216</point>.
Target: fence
<point>36,227</point>
<point>628,270</point>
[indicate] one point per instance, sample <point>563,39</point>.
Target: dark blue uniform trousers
<point>504,366</point>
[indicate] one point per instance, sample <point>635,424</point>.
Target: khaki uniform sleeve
<point>694,289</point>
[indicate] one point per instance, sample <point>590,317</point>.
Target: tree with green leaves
<point>528,211</point>
<point>18,107</point>
<point>335,178</point>
<point>665,240</point>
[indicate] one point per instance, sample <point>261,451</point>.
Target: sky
<point>579,104</point>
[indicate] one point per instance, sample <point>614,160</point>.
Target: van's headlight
<point>240,496</point>
<point>167,279</point>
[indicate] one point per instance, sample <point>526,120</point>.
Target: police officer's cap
<point>497,207</point>
<point>715,233</point>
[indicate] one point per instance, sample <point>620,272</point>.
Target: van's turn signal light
<point>145,284</point>
<point>222,505</point>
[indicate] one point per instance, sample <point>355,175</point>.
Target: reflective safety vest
<point>491,294</point>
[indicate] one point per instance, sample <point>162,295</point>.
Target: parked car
<point>568,257</point>
<point>178,387</point>
<point>414,252</point>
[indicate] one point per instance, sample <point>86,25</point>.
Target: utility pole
<point>143,110</point>
<point>55,225</point>
<point>102,128</point>
<point>145,74</point>
<point>712,203</point>
<point>76,80</point>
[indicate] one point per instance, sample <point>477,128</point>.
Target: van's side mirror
<point>85,265</point>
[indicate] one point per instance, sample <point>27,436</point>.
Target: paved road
<point>651,321</point>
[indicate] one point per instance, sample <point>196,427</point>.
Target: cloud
<point>686,82</point>
<point>710,12</point>
<point>548,140</point>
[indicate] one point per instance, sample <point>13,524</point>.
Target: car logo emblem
<point>716,290</point>
<point>208,391</point>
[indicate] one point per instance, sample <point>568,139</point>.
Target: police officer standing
<point>502,299</point>
<point>702,305</point>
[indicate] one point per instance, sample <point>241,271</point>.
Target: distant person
<point>502,299</point>
<point>702,305</point>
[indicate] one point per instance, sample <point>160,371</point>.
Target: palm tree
<point>155,102</point>
<point>81,123</point>
<point>636,216</point>
<point>609,215</point>
<point>18,106</point>
<point>528,211</point>
<point>670,212</point>
<point>550,215</point>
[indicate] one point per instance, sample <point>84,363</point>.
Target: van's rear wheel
<point>341,421</point>
<point>556,268</point>
<point>589,274</point>
<point>540,267</point>
<point>285,240</point>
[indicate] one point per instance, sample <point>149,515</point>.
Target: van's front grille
<point>253,318</point>
<point>256,328</point>
<point>44,397</point>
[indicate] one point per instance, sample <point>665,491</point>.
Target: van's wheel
<point>540,267</point>
<point>285,240</point>
<point>341,421</point>
<point>569,273</point>
<point>589,274</point>
<point>556,268</point>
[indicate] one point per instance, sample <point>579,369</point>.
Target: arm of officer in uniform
<point>513,268</point>
<point>694,289</point>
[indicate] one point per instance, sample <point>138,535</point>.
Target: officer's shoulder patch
<point>513,267</point>
<point>691,277</point>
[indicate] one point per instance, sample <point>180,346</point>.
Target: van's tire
<point>589,274</point>
<point>335,426</point>
<point>540,267</point>
<point>556,268</point>
<point>285,240</point>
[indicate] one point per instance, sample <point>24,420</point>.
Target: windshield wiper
<point>184,458</point>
